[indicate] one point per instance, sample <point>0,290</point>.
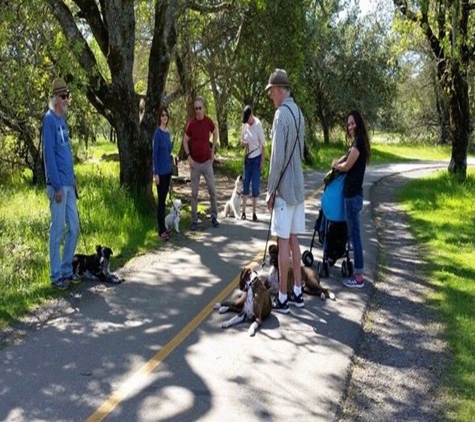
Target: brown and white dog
<point>310,279</point>
<point>253,303</point>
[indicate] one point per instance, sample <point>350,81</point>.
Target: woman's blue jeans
<point>64,213</point>
<point>353,207</point>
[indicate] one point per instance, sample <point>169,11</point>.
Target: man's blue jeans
<point>62,213</point>
<point>353,207</point>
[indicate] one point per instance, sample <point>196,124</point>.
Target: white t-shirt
<point>253,135</point>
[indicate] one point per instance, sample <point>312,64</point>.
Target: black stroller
<point>331,229</point>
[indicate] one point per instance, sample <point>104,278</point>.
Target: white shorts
<point>287,219</point>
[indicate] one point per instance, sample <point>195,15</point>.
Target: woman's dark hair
<point>246,113</point>
<point>159,114</point>
<point>361,131</point>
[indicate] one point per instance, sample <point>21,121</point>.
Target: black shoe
<point>73,278</point>
<point>214,222</point>
<point>60,284</point>
<point>254,217</point>
<point>243,216</point>
<point>296,300</point>
<point>278,306</point>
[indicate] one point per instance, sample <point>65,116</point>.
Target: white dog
<point>234,204</point>
<point>172,220</point>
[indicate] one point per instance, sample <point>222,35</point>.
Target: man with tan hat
<point>285,187</point>
<point>60,186</point>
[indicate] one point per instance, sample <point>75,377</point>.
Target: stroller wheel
<point>307,258</point>
<point>344,269</point>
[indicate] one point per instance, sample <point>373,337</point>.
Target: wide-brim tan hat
<point>59,86</point>
<point>278,78</point>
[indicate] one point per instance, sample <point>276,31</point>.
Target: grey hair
<point>285,89</point>
<point>200,98</point>
<point>52,102</point>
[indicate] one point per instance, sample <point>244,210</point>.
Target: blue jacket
<point>162,148</point>
<point>57,152</point>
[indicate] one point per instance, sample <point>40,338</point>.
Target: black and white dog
<point>96,266</point>
<point>233,206</point>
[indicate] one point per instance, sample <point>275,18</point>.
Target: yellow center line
<point>127,386</point>
<point>121,394</point>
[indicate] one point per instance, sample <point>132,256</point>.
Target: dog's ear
<point>98,248</point>
<point>242,278</point>
<point>107,252</point>
<point>273,249</point>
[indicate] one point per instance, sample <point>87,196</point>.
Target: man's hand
<point>191,162</point>
<point>58,196</point>
<point>156,179</point>
<point>270,202</point>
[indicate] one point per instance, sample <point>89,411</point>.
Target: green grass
<point>440,210</point>
<point>108,216</point>
<point>442,219</point>
<point>103,208</point>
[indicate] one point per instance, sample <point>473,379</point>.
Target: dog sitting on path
<point>233,206</point>
<point>172,220</point>
<point>253,303</point>
<point>310,279</point>
<point>96,266</point>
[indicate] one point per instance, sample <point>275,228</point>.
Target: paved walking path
<point>152,349</point>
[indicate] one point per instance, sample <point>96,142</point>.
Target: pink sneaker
<point>352,283</point>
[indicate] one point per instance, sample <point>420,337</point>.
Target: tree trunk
<point>33,156</point>
<point>459,107</point>
<point>445,133</point>
<point>452,53</point>
<point>222,117</point>
<point>134,150</point>
<point>326,132</point>
<point>443,112</point>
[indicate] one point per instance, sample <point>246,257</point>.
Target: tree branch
<point>66,20</point>
<point>204,8</point>
<point>90,12</point>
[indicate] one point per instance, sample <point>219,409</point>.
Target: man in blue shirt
<point>60,186</point>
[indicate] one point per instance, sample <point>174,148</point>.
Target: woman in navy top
<point>162,167</point>
<point>354,165</point>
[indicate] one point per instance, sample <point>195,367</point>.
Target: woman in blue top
<point>162,167</point>
<point>354,165</point>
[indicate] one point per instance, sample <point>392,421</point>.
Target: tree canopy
<point>125,58</point>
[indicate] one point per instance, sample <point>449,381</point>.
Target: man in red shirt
<point>200,156</point>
